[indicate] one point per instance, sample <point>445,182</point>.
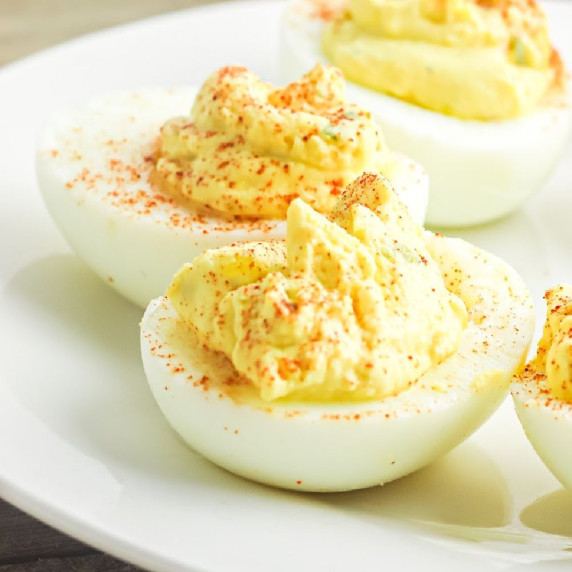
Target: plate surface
<point>83,445</point>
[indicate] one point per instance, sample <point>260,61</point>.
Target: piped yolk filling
<point>249,148</point>
<point>472,59</point>
<point>350,307</point>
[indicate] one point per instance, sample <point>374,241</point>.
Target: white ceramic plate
<point>82,444</point>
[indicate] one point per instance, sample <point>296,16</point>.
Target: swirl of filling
<point>553,360</point>
<point>352,307</point>
<point>247,145</point>
<point>472,59</point>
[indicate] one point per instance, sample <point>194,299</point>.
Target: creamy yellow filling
<point>554,355</point>
<point>473,59</point>
<point>350,307</point>
<point>250,148</point>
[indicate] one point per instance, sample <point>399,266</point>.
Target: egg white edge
<point>547,423</point>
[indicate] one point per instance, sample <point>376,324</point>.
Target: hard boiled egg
<point>479,170</point>
<point>343,443</point>
<point>542,393</point>
<point>93,167</point>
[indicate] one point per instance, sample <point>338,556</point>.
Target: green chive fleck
<point>330,132</point>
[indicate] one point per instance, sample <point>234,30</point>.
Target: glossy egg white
<point>344,446</point>
<point>547,422</point>
<point>478,171</point>
<point>93,166</point>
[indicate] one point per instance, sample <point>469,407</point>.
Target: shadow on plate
<point>463,503</point>
<point>461,493</point>
<point>82,376</point>
<point>551,513</point>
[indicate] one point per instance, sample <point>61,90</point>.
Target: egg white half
<point>479,171</point>
<point>343,446</point>
<point>547,422</point>
<point>93,166</point>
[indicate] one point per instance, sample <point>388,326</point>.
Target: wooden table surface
<point>27,26</point>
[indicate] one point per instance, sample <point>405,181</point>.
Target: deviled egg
<point>542,393</point>
<point>472,90</point>
<point>138,187</point>
<point>354,352</point>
